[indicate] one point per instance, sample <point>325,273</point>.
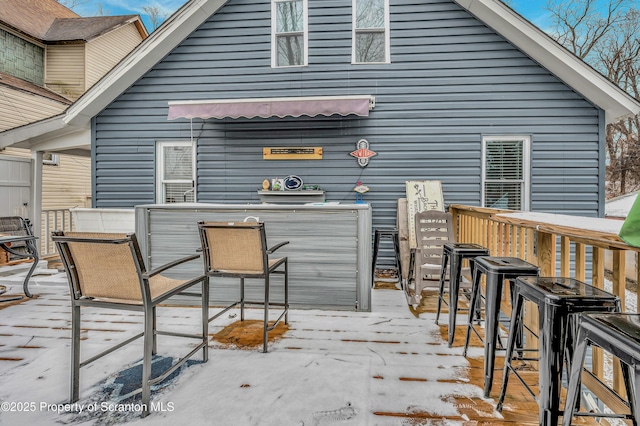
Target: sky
<point>125,7</point>
<point>533,10</point>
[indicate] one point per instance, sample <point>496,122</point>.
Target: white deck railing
<point>53,220</point>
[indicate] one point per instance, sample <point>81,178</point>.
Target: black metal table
<point>556,299</point>
<point>31,253</point>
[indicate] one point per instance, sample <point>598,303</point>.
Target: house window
<point>289,33</point>
<point>50,159</point>
<point>505,172</point>
<point>371,31</point>
<point>175,172</point>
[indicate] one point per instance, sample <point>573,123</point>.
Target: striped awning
<point>272,107</point>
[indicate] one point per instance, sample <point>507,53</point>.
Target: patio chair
<point>433,230</point>
<point>239,249</point>
<point>107,271</point>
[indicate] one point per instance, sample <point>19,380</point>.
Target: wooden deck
<point>519,406</point>
<point>402,371</point>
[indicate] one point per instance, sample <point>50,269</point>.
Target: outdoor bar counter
<point>329,248</point>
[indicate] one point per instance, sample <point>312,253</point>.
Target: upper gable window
<point>371,31</point>
<point>289,33</point>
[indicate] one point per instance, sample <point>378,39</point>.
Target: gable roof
<point>70,29</point>
<point>540,47</point>
<point>23,85</point>
<point>33,17</point>
<point>521,33</point>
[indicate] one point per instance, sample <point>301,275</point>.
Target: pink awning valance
<point>273,107</point>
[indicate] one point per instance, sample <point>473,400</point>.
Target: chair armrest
<point>277,246</point>
<point>169,265</point>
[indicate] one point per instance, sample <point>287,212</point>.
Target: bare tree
<point>605,34</point>
<point>619,55</point>
<point>72,4</point>
<point>100,11</point>
<point>156,16</point>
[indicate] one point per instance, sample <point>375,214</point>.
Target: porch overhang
<point>359,105</point>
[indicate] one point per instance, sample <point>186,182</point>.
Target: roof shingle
<point>68,29</point>
<point>19,84</point>
<point>33,17</point>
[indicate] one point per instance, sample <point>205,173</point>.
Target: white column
<point>35,202</point>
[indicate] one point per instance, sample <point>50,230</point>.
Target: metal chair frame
<point>147,305</point>
<point>616,333</point>
<point>268,268</point>
<point>22,246</point>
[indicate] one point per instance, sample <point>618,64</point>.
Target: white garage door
<point>14,185</point>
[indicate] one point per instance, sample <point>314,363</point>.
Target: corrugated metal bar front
<point>328,260</point>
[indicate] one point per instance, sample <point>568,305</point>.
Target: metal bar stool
<point>456,253</point>
<point>618,334</point>
<point>556,299</point>
<point>386,233</point>
<point>496,269</point>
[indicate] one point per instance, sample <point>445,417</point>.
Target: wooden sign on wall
<point>292,153</point>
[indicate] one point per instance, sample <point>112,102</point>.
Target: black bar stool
<point>455,253</point>
<point>556,299</point>
<point>496,269</point>
<point>618,334</point>
<point>386,233</point>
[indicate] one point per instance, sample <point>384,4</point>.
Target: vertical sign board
<point>422,195</point>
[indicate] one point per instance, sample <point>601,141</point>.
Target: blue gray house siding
<point>451,80</point>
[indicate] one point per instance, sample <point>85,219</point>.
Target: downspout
<point>93,163</point>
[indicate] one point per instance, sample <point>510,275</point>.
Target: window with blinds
<point>175,172</point>
<point>505,172</point>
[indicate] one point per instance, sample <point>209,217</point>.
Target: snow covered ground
<point>331,367</point>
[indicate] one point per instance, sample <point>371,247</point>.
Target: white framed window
<point>175,172</point>
<point>370,32</point>
<point>289,33</point>
<point>50,159</point>
<point>505,172</point>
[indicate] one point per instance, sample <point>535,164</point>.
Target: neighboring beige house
<point>50,56</point>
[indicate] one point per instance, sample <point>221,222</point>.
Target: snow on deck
<point>580,222</point>
<point>331,367</point>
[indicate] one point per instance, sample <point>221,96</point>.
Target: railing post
<point>44,247</point>
<point>597,265</point>
<point>619,281</point>
<point>457,235</point>
<point>565,256</point>
<point>581,262</point>
<point>546,254</point>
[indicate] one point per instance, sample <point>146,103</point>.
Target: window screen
<point>176,177</point>
<point>504,177</point>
